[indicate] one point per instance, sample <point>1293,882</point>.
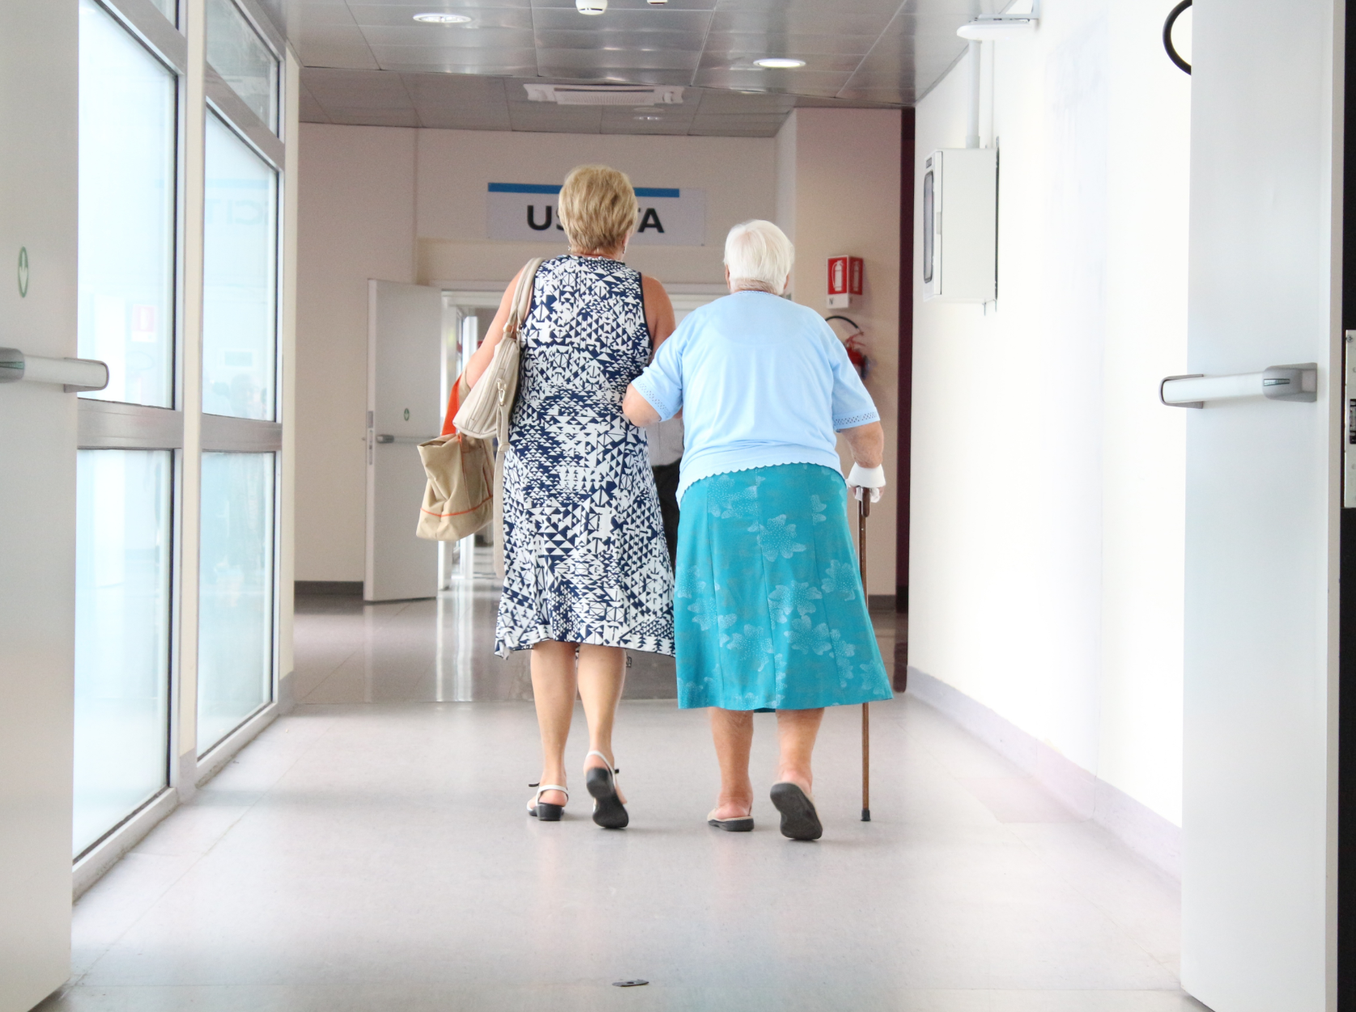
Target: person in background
<point>587,573</point>
<point>768,604</point>
<point>666,454</point>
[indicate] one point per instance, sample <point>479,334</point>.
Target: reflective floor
<point>370,852</point>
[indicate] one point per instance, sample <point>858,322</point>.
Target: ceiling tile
<point>459,101</point>
<point>616,7</point>
<point>374,117</point>
<point>651,19</point>
<point>795,82</point>
<point>825,63</point>
<point>730,102</point>
<point>572,61</point>
<point>501,14</point>
<point>639,41</point>
<point>799,19</point>
<point>556,119</point>
<point>756,44</point>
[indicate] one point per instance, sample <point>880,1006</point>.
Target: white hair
<point>759,255</point>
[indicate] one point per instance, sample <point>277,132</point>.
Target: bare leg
<point>796,733</point>
<point>553,690</point>
<point>602,673</point>
<point>732,731</point>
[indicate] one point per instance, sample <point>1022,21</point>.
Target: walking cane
<point>864,511</point>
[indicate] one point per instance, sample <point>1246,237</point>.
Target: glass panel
<point>236,52</point>
<point>235,618</point>
<point>239,323</point>
<point>126,223</point>
<point>122,620</point>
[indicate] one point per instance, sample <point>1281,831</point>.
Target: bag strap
<point>522,297</point>
<point>453,403</point>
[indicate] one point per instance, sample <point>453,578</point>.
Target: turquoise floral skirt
<point>768,605</point>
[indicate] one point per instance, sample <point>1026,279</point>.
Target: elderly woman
<point>769,610</point>
<point>587,570</point>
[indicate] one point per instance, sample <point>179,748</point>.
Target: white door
<point>404,386</point>
<point>37,499</point>
<point>1258,822</point>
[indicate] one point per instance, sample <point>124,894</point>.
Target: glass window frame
<point>223,433</point>
<point>278,197</point>
<point>118,425</point>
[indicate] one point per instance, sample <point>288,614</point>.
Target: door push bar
<point>1278,383</point>
<point>74,374</point>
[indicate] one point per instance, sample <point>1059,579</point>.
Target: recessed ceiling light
<point>590,6</point>
<point>656,3</point>
<point>778,63</point>
<point>442,19</point>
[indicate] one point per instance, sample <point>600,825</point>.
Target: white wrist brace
<point>866,477</point>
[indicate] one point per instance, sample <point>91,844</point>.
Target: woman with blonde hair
<point>769,612</point>
<point>587,570</point>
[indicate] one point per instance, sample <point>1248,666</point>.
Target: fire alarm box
<point>960,225</point>
<point>845,281</point>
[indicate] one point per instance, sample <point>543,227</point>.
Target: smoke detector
<point>606,94</point>
<point>590,6</point>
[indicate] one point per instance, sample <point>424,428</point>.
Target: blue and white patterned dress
<point>584,553</point>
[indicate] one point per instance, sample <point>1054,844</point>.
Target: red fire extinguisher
<point>856,348</point>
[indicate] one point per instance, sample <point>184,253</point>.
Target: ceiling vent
<point>605,94</point>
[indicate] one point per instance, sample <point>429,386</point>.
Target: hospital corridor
<point>677,505</point>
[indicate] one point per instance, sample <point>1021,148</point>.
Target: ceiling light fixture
<point>590,6</point>
<point>442,19</point>
<point>656,3</point>
<point>778,63</point>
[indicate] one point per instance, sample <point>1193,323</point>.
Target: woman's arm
<point>637,409</point>
<point>480,361</point>
<point>867,443</point>
<point>658,312</point>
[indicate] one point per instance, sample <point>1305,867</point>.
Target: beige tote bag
<point>459,494</point>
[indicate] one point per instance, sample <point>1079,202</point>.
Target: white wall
<point>838,192</point>
<point>356,206</point>
<point>1047,511</point>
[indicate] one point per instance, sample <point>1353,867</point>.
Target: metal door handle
<point>412,440</point>
<point>1277,383</point>
<point>74,374</point>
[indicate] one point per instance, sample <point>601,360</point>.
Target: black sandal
<point>601,781</point>
<point>800,821</point>
<point>541,810</point>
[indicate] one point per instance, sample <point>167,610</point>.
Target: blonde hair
<point>759,255</point>
<point>597,208</point>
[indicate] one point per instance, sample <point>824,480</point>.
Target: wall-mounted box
<point>960,225</point>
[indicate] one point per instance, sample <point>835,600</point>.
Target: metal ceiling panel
<point>758,44</point>
<point>652,20</point>
<point>858,53</point>
<point>556,119</point>
<point>637,41</point>
<point>375,117</point>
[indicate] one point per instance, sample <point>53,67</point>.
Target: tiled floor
<point>369,852</point>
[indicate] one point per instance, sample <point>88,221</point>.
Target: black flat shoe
<point>800,821</point>
<point>601,781</point>
<point>740,824</point>
<point>541,810</point>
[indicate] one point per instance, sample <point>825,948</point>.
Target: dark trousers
<point>666,481</point>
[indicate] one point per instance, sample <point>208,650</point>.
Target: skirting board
<point>1140,828</point>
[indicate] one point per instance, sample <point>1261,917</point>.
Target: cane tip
<point>866,815</point>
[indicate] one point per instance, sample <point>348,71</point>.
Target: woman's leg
<point>732,731</point>
<point>796,733</point>
<point>553,690</point>
<point>602,673</point>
